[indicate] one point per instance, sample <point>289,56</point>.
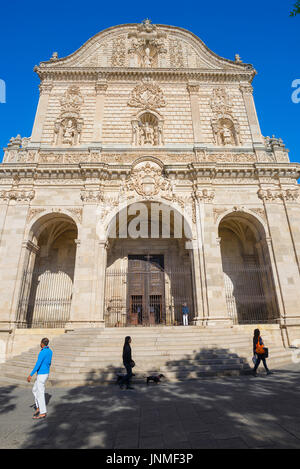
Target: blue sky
<point>260,31</point>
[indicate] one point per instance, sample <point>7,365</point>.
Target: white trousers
<point>39,392</point>
<point>185,320</point>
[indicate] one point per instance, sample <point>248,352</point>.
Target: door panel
<point>146,289</point>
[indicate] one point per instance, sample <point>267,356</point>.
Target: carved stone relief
<point>147,179</point>
<point>231,157</point>
<point>203,195</point>
<point>147,127</point>
<point>119,51</point>
<point>147,43</point>
<point>275,195</point>
<point>225,126</point>
<point>147,95</point>
<point>91,195</point>
<point>176,53</point>
<point>68,127</point>
<point>18,195</point>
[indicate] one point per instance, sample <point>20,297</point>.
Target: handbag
<point>254,359</point>
<point>132,363</point>
<point>266,354</point>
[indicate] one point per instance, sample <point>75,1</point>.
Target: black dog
<point>120,377</point>
<point>156,379</point>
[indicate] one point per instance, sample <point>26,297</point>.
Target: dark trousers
<point>260,358</point>
<point>127,377</point>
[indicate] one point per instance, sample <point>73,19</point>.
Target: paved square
<point>231,412</point>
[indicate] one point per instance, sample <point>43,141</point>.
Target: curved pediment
<point>145,46</point>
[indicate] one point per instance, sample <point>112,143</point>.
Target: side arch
<point>254,219</point>
<point>48,272</point>
<point>41,219</point>
<point>247,269</point>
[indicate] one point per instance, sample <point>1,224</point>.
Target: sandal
<point>38,417</point>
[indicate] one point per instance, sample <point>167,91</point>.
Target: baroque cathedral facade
<point>147,185</point>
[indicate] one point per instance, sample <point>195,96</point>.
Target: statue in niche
<point>147,134</point>
<point>226,131</point>
<point>69,133</point>
<point>226,135</point>
<point>147,58</point>
<point>68,126</point>
<point>147,130</point>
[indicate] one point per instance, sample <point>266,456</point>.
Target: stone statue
<point>69,133</point>
<point>147,58</point>
<point>226,136</point>
<point>135,133</point>
<point>148,134</point>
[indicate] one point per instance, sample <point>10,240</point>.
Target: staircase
<point>94,356</point>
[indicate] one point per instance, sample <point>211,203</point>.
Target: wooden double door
<point>146,289</point>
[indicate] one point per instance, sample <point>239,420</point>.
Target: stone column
<point>247,92</point>
<point>193,89</point>
<point>101,276</point>
<point>45,90</point>
<point>101,88</point>
<point>199,319</point>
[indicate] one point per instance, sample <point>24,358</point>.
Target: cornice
<point>122,73</point>
<point>105,171</point>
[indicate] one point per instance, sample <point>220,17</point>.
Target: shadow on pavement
<point>6,398</point>
<point>224,412</point>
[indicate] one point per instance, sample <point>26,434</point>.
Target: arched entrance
<point>148,274</point>
<point>248,278</point>
<point>47,283</point>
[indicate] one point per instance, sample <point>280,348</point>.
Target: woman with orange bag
<point>259,351</point>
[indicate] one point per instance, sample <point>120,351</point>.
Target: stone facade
<point>147,113</point>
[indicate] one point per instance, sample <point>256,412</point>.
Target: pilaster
<point>193,89</point>
<point>247,92</point>
<point>83,313</point>
<point>11,260</point>
<point>45,90</point>
<point>212,259</point>
<point>100,88</point>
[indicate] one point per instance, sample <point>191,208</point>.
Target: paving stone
<point>231,443</point>
<point>202,441</point>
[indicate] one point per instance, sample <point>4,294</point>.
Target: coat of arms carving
<point>147,95</point>
<point>147,180</point>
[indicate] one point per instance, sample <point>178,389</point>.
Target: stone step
<point>23,368</point>
<point>151,342</point>
<point>103,356</point>
<point>95,355</point>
